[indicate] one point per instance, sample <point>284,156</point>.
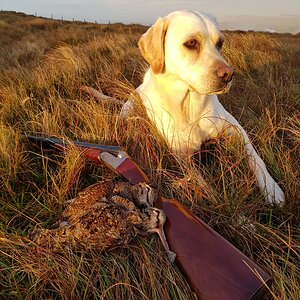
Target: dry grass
<point>43,63</point>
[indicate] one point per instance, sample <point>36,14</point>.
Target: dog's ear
<point>151,45</point>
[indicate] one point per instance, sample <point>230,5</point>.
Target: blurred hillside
<point>280,24</point>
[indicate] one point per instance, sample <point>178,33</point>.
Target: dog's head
<point>187,45</point>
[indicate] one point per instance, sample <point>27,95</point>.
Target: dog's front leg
<point>266,183</point>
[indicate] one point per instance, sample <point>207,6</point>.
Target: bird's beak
<point>162,236</point>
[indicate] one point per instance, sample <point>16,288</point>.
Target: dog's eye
<point>192,44</point>
<point>219,44</point>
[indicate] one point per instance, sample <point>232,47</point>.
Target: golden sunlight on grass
<point>44,63</point>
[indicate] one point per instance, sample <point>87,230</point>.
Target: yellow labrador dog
<point>180,88</point>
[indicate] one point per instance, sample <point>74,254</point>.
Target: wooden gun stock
<point>214,268</point>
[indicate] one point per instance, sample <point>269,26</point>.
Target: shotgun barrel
<point>113,156</point>
<point>50,143</point>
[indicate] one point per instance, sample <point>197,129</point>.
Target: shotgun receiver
<point>213,267</point>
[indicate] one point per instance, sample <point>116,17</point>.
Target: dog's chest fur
<point>185,124</point>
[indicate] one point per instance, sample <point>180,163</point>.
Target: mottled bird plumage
<point>103,216</point>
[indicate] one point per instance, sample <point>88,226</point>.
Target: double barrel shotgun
<point>214,268</point>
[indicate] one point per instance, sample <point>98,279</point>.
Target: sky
<point>146,12</point>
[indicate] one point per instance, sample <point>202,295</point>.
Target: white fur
<point>179,91</point>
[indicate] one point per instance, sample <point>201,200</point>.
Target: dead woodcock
<point>106,215</point>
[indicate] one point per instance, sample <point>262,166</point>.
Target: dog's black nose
<point>225,72</point>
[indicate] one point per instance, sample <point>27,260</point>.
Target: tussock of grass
<point>43,63</point>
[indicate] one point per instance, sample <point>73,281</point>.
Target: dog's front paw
<point>274,194</point>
